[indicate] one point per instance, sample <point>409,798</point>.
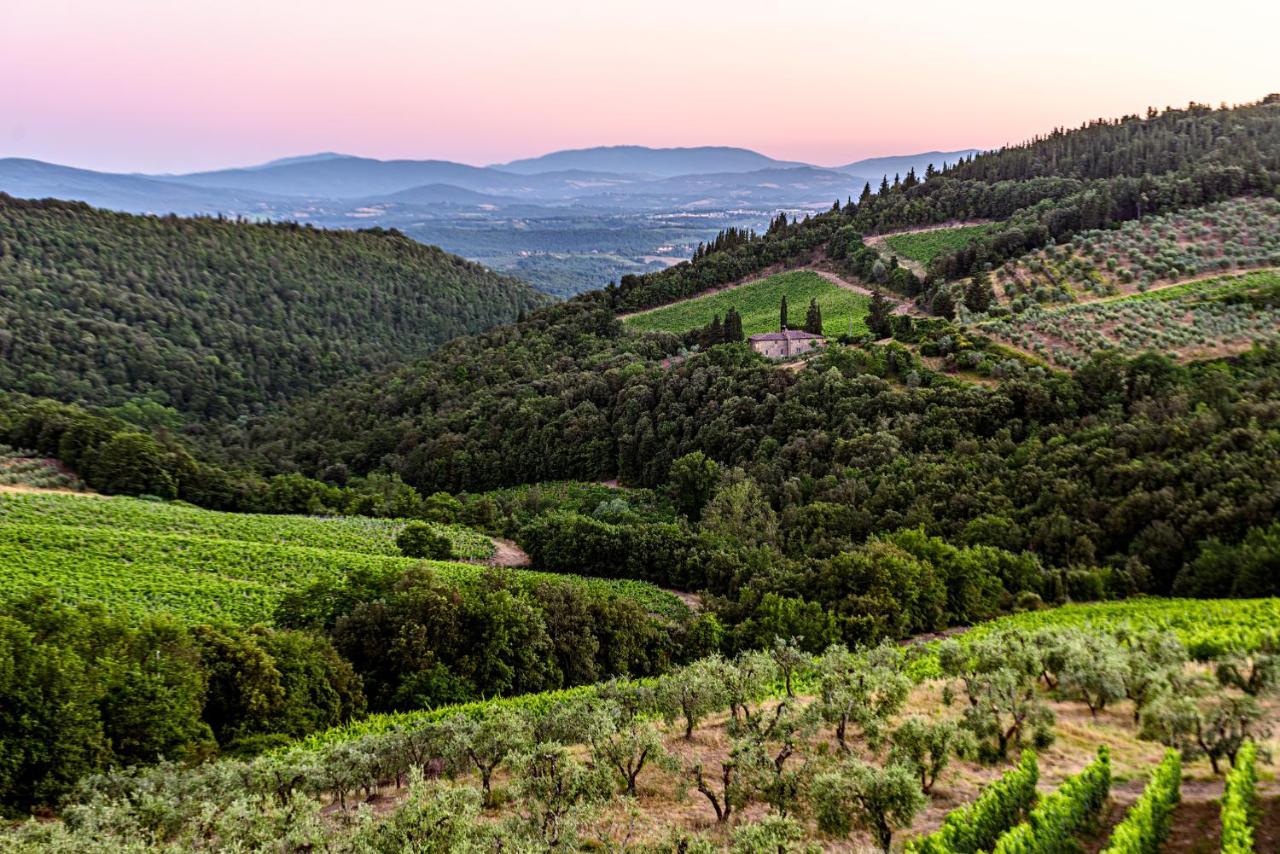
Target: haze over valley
<point>566,222</point>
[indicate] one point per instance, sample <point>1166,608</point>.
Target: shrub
<point>1240,802</point>
<point>976,827</point>
<point>1146,826</point>
<point>1053,826</point>
<point>418,539</point>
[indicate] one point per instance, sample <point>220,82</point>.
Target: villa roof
<point>784,335</point>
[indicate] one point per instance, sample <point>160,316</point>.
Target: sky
<point>180,85</point>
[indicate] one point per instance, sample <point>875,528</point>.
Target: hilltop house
<point>785,344</point>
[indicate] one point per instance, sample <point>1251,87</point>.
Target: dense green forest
<point>215,318</point>
<point>1127,463</point>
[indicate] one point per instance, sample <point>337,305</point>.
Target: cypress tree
<point>879,316</point>
<point>813,318</point>
<point>782,313</point>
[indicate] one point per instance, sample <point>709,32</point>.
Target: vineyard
<point>1140,255</point>
<point>1207,627</point>
<point>344,533</point>
<point>923,246</point>
<point>1049,731</point>
<point>21,468</point>
<point>138,556</point>
<point>758,303</point>
<point>1189,321</point>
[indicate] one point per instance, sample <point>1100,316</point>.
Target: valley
<point>318,538</point>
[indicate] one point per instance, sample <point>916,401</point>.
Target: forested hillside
<point>1043,190</point>
<point>216,318</point>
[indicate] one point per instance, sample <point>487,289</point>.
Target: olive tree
<point>867,797</point>
<point>927,747</point>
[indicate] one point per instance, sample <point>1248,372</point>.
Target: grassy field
<point>758,303</point>
<point>924,246</point>
<point>136,556</point>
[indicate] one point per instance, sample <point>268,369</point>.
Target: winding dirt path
<point>900,306</point>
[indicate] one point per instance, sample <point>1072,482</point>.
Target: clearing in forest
<point>924,245</point>
<point>843,311</point>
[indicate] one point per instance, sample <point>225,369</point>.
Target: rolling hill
<point>214,317</point>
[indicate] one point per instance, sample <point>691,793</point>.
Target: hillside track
<point>901,306</point>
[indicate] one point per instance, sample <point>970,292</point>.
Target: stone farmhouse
<point>785,344</point>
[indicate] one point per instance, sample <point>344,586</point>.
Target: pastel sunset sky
<point>170,85</point>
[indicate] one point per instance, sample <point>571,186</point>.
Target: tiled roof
<point>788,335</point>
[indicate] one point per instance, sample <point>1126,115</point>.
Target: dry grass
<point>668,802</point>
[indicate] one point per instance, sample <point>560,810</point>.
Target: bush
<point>1054,826</point>
<point>418,539</point>
<point>1146,826</point>
<point>976,827</point>
<point>1240,802</point>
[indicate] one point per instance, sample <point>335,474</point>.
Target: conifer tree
<point>879,316</point>
<point>733,326</point>
<point>782,313</point>
<point>978,295</point>
<point>813,318</point>
<point>943,305</point>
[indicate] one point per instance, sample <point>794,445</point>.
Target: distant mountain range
<point>618,179</point>
<point>565,222</point>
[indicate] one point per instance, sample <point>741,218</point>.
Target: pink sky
<point>170,85</point>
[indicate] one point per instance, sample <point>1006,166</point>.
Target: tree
<point>880,316</point>
<point>943,305</point>
<point>421,540</point>
<point>741,513</point>
<point>782,313</point>
<point>691,693</point>
<point>927,747</point>
<point>1094,672</point>
<point>625,745</point>
<point>813,318</point>
<point>865,689</point>
<point>1216,729</point>
<point>763,751</point>
<point>1254,674</point>
<point>489,741</point>
<point>691,482</point>
<point>978,294</point>
<point>879,800</point>
<point>789,658</point>
<point>441,507</point>
<point>1000,674</point>
<point>132,464</point>
<point>556,790</point>
<point>733,333</point>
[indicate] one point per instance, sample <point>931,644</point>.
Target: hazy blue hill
<point>35,179</point>
<point>878,167</point>
<point>642,160</point>
<point>351,177</point>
